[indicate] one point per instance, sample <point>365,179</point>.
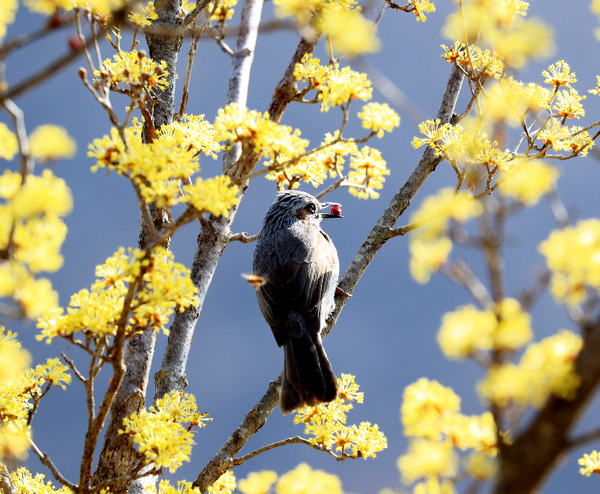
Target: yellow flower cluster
<point>49,7</point>
<point>379,118</point>
<point>429,245</point>
<point>214,195</point>
<point>559,75</point>
<point>500,26</point>
<point>422,6</point>
<point>19,387</point>
<point>8,142</point>
<point>224,10</point>
<point>133,68</point>
<point>258,482</point>
<point>350,32</point>
<point>326,424</point>
<point>50,143</point>
<point>259,132</point>
<point>573,256</point>
<point>314,166</point>
<point>30,221</point>
<point>474,60</point>
<point>528,182</point>
<point>24,483</point>
<point>156,168</point>
<point>432,420</point>
<point>590,464</point>
<point>162,286</point>
<point>368,170</point>
<point>546,368</point>
<point>510,101</point>
<point>341,21</point>
<point>444,139</point>
<point>8,9</point>
<point>225,484</point>
<point>163,434</point>
<point>142,16</point>
<point>165,487</point>
<point>334,86</point>
<point>468,330</point>
<point>305,480</point>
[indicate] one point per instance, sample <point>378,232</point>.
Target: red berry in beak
<point>336,210</point>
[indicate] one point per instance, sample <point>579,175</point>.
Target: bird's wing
<point>298,284</point>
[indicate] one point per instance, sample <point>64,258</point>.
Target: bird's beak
<point>334,212</point>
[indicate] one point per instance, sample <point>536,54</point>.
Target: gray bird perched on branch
<point>300,268</point>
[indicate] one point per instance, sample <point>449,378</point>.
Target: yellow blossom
<point>153,167</point>
<point>350,32</point>
<point>143,16</point>
<point>466,330</point>
<point>133,68</point>
<point>258,482</point>
<point>8,141</point>
<point>162,435</point>
<point>438,209</point>
<point>545,368</point>
<point>567,104</point>
<point>427,257</point>
<point>54,372</point>
<point>379,118</point>
<point>444,139</point>
<point>14,359</point>
<point>427,458</point>
<point>266,137</point>
<point>485,153</point>
<point>183,487</point>
<point>559,75</point>
<point>513,329</point>
<point>342,86</point>
<point>305,480</point>
<point>476,432</point>
<point>573,256</point>
<point>425,405</point>
<point>596,90</point>
<point>214,195</point>
<point>44,194</point>
<point>225,484</point>
<point>368,171</point>
<point>422,6</point>
<point>325,423</point>
<point>528,182</point>
<point>97,312</point>
<point>8,9</point>
<point>24,483</point>
<point>224,10</point>
<point>480,466</point>
<point>527,39</point>
<point>433,485</point>
<point>590,463</point>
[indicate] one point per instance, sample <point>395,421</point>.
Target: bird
<point>299,268</point>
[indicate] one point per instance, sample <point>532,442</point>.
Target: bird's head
<point>292,205</point>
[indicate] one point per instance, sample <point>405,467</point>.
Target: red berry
<point>337,210</point>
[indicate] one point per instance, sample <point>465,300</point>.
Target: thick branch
<point>525,463</point>
<point>216,230</point>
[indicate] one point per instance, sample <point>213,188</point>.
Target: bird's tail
<point>307,378</point>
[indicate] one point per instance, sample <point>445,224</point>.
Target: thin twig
<point>45,459</point>
<point>243,237</point>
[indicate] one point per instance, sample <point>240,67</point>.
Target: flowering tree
<point>157,146</point>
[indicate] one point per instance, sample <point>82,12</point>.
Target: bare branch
<point>243,237</point>
<point>45,459</point>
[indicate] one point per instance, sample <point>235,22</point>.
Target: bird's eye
<point>312,209</point>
